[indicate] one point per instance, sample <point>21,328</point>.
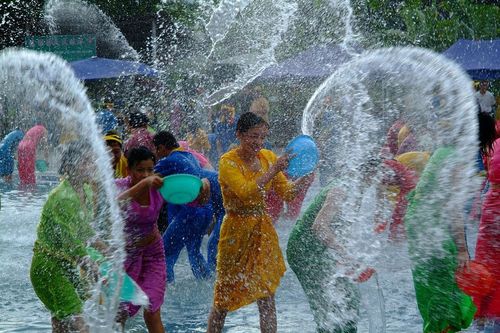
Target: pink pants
<point>146,266</point>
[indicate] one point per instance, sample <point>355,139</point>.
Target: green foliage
<point>174,10</point>
<point>435,24</point>
<point>120,9</point>
<point>180,11</point>
<point>20,18</point>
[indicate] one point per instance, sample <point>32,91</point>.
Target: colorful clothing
<point>249,263</point>
<point>226,134</point>
<point>8,147</point>
<point>334,311</point>
<point>140,137</point>
<point>145,262</point>
<point>26,154</point>
<point>392,136</point>
<point>405,179</point>
<point>106,121</point>
<point>488,239</point>
<point>180,161</point>
<point>275,205</point>
<point>121,168</point>
<point>187,225</point>
<point>441,303</point>
<point>199,156</point>
<point>62,235</point>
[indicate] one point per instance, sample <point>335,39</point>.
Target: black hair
<point>73,154</point>
<point>486,131</point>
<point>165,138</point>
<point>249,120</point>
<point>112,132</point>
<point>137,155</point>
<point>137,119</point>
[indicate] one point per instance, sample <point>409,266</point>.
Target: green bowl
<point>181,188</point>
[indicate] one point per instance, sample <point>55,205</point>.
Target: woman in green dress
<point>437,247</point>
<point>61,273</point>
<point>317,254</point>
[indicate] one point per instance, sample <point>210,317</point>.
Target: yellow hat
<point>414,160</point>
<point>113,137</point>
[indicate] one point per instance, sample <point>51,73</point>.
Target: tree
<point>434,24</point>
<point>20,18</point>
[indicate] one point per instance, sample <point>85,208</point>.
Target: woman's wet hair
<point>137,155</point>
<point>487,131</point>
<point>249,120</point>
<point>165,138</point>
<point>74,153</point>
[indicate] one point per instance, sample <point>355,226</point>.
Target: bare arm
<point>280,165</point>
<point>138,189</point>
<point>457,223</point>
<point>321,225</point>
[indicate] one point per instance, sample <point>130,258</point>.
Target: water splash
<point>229,49</point>
<point>41,88</point>
<point>76,17</point>
<point>349,116</point>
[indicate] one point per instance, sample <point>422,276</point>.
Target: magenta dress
<point>488,239</point>
<point>145,262</point>
<point>26,154</point>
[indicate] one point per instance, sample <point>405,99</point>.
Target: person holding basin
<point>189,223</point>
<point>249,261</point>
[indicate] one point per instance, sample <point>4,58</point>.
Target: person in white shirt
<point>486,99</point>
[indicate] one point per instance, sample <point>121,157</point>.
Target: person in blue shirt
<point>8,147</point>
<point>189,223</point>
<point>225,129</point>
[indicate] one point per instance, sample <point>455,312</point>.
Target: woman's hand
<point>282,162</point>
<point>153,181</point>
<point>365,275</point>
<point>136,191</point>
<point>463,259</point>
<point>204,195</point>
<point>305,181</point>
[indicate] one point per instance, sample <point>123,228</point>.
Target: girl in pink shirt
<point>145,262</point>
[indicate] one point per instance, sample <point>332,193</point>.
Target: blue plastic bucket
<point>306,156</point>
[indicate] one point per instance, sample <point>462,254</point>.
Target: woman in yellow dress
<point>249,260</point>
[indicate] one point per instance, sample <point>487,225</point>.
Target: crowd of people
<point>238,206</point>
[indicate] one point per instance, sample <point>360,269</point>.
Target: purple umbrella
<point>103,68</point>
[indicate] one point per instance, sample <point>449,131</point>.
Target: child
<point>145,262</point>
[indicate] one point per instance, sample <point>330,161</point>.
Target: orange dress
<point>249,260</point>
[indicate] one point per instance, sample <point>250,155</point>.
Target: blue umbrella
<point>480,58</point>
<point>318,61</point>
<point>103,68</point>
